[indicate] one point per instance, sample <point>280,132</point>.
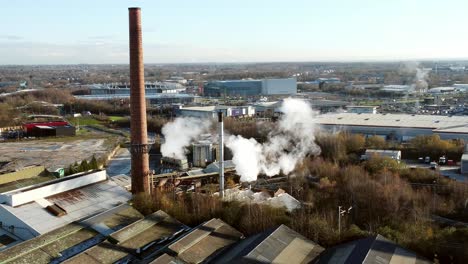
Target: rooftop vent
<point>56,210</point>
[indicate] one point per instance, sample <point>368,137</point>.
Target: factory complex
<point>152,175</point>
<point>85,218</point>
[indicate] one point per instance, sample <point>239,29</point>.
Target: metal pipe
<point>221,154</point>
<point>139,139</point>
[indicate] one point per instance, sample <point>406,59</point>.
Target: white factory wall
<point>16,198</point>
<point>399,132</point>
<point>21,229</point>
<point>279,86</point>
<point>197,114</point>
<point>464,164</point>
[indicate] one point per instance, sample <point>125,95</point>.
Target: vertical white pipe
<point>221,154</point>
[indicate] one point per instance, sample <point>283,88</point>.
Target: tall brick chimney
<point>139,138</point>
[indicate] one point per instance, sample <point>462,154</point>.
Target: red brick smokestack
<point>139,138</point>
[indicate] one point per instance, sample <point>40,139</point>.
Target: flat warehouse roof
<point>393,120</point>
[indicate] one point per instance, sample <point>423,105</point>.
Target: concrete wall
<point>18,197</point>
<point>279,86</point>
<point>20,228</point>
<point>25,173</point>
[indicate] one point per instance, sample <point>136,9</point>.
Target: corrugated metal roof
<point>205,241</point>
<point>152,232</point>
<point>78,203</point>
<point>375,249</point>
<point>278,245</point>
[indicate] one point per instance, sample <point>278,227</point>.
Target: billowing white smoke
<point>180,133</point>
<point>420,78</point>
<point>288,144</point>
<point>421,83</point>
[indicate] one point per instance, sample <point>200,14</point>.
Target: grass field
<point>83,121</point>
<point>116,118</point>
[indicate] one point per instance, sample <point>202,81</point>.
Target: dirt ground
<point>52,154</point>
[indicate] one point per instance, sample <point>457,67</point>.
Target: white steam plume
<point>420,78</point>
<point>288,144</point>
<point>180,133</point>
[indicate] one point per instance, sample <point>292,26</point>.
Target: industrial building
<point>204,153</point>
<point>140,239</point>
<point>362,109</point>
<point>402,89</point>
<point>456,88</point>
<point>393,154</point>
<point>29,127</point>
<point>268,109</point>
<point>123,235</point>
<point>375,249</point>
<point>124,89</point>
<point>211,111</point>
<point>249,88</point>
<point>41,208</point>
<point>153,99</point>
<point>276,245</point>
<point>52,131</point>
<point>399,127</point>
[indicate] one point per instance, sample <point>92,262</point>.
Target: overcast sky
<point>85,31</point>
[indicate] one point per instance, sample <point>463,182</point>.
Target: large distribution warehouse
<point>400,127</point>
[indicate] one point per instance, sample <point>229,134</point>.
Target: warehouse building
<point>399,89</point>
<point>268,109</point>
<point>393,154</point>
<point>374,249</point>
<point>249,88</point>
<point>52,131</point>
<point>38,209</point>
<point>211,111</point>
<point>276,245</point>
<point>362,109</point>
<point>124,89</point>
<point>153,99</point>
<point>123,235</point>
<point>399,127</point>
<point>29,127</point>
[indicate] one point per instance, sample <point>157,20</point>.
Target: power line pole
<point>342,213</point>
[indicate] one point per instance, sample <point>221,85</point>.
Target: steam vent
<point>139,139</point>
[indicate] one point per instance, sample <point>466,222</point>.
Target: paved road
<point>453,173</point>
<point>448,171</point>
<point>120,163</point>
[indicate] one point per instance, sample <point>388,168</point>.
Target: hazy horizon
<point>209,32</point>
